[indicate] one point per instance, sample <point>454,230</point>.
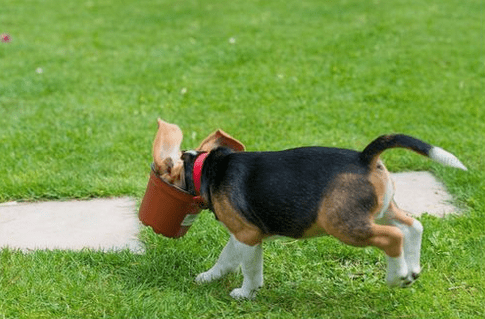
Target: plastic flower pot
<point>169,210</point>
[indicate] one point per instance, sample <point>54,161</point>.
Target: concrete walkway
<point>104,224</point>
<point>112,224</point>
<point>421,192</point>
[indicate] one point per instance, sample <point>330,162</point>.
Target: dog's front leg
<point>232,256</point>
<point>252,269</point>
<point>228,262</point>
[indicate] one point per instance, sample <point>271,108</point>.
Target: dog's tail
<point>371,153</point>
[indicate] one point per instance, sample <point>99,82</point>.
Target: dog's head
<point>168,157</point>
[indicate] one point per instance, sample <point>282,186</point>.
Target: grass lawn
<point>81,86</point>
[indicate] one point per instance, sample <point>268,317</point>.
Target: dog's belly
<point>288,219</point>
<point>306,235</point>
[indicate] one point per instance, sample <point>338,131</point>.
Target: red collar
<point>197,172</point>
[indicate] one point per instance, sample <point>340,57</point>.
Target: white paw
<point>397,281</point>
<point>414,272</point>
<point>402,281</point>
<point>207,276</point>
<point>397,272</point>
<point>240,293</point>
<point>407,280</point>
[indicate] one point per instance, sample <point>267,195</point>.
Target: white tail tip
<point>446,158</point>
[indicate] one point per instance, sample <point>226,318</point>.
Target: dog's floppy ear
<point>220,138</point>
<point>166,146</point>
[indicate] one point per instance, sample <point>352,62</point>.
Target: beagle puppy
<point>301,193</point>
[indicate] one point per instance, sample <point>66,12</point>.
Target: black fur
<point>391,141</point>
<point>280,192</point>
<point>189,160</point>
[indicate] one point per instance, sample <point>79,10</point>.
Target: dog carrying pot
<point>169,209</point>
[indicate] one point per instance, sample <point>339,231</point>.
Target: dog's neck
<point>197,171</point>
<point>193,162</point>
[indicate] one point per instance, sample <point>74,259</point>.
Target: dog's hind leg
<point>351,222</point>
<point>237,254</point>
<point>412,230</point>
<point>390,239</point>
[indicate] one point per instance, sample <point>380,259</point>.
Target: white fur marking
<point>192,152</point>
<point>446,158</point>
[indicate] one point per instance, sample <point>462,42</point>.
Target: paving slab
<point>112,224</point>
<point>422,192</point>
<point>100,224</point>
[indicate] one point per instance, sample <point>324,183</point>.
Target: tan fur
<point>395,213</point>
<point>220,138</point>
<point>338,216</point>
<point>387,238</point>
<point>243,230</point>
<point>379,177</point>
<point>333,217</point>
<point>166,146</point>
<point>167,153</point>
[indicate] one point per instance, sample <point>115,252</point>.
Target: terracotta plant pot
<point>169,210</point>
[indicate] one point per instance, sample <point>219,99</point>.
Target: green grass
<point>81,86</point>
